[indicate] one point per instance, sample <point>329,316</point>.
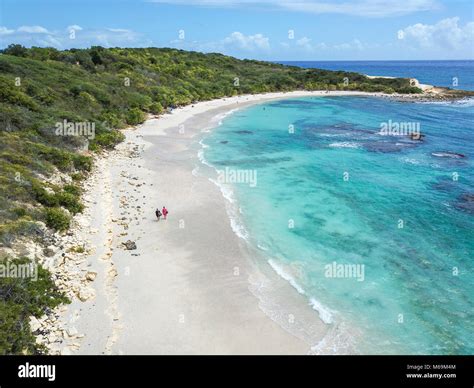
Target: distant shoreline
<point>454,74</point>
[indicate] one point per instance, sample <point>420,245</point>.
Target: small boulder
<point>130,245</point>
<point>49,251</point>
<point>91,275</point>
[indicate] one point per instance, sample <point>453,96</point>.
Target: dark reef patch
<point>244,132</point>
<point>466,203</point>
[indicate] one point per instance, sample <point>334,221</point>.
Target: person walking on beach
<point>158,214</point>
<point>165,212</point>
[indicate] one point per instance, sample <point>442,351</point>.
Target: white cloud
<point>74,27</point>
<point>355,44</point>
<point>235,44</point>
<point>72,36</point>
<point>368,8</point>
<point>120,30</point>
<point>33,30</point>
<point>305,43</point>
<point>446,34</point>
<point>5,31</point>
<point>247,42</point>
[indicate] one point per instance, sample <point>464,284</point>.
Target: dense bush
<point>21,298</point>
<point>135,116</point>
<point>71,202</point>
<point>56,218</point>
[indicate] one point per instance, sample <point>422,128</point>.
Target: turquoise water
<point>439,73</point>
<point>336,190</point>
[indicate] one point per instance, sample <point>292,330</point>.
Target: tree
<point>17,50</point>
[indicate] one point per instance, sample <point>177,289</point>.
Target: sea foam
<point>325,314</point>
<point>344,144</point>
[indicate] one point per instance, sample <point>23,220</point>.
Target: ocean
<point>452,74</point>
<point>367,218</point>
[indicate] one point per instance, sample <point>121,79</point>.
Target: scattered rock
<point>112,272</point>
<point>71,331</point>
<point>34,324</point>
<point>49,251</point>
<point>85,294</point>
<point>130,245</point>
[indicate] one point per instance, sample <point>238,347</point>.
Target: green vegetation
<point>20,298</point>
<point>43,92</point>
<point>77,249</point>
<point>114,88</point>
<point>57,219</point>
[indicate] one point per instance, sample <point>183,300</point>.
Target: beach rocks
<point>71,331</point>
<point>66,255</point>
<point>130,245</point>
<point>49,251</point>
<point>91,275</point>
<point>84,294</point>
<point>35,325</point>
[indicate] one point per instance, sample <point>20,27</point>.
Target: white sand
<point>191,286</point>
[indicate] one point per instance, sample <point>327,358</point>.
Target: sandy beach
<point>191,286</point>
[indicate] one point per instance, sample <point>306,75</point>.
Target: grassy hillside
<point>111,89</point>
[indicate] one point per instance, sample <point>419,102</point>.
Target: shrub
<point>106,139</point>
<point>77,176</point>
<point>156,108</point>
<point>21,298</point>
<point>135,116</point>
<point>42,196</point>
<point>82,162</point>
<point>20,227</point>
<point>70,202</point>
<point>77,249</point>
<point>19,212</point>
<point>110,120</point>
<point>60,158</point>
<point>72,189</point>
<point>17,50</point>
<point>57,219</point>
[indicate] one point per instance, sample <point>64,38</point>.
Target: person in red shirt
<point>164,211</point>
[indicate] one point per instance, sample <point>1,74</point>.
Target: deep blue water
<point>438,73</point>
<point>336,190</point>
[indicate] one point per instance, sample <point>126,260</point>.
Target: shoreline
<point>186,289</point>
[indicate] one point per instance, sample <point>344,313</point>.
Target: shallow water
<point>317,187</point>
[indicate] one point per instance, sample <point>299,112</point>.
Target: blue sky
<point>260,29</point>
